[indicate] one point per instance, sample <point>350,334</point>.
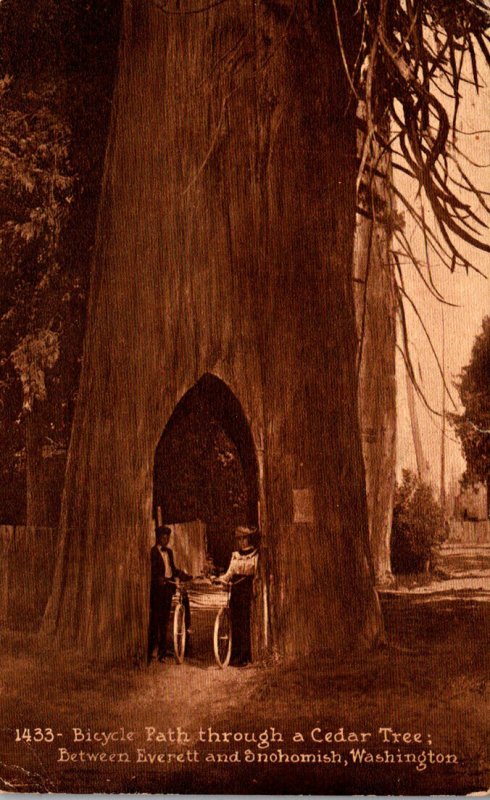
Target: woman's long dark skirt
<point>240,609</point>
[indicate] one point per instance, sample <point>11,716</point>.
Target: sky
<point>471,294</point>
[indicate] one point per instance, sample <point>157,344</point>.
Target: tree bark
<point>224,246</point>
<point>376,324</point>
<point>37,487</point>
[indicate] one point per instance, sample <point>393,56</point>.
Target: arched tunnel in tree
<point>206,466</point>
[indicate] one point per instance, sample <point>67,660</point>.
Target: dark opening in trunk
<point>206,467</point>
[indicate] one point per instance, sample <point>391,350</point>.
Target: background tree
<point>37,189</point>
<point>375,302</point>
<point>57,61</point>
<point>473,425</point>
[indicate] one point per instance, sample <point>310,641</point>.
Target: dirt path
<point>462,571</point>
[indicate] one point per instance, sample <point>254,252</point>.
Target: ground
<point>432,678</point>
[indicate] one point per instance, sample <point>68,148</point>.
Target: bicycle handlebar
<point>229,584</point>
<point>178,583</point>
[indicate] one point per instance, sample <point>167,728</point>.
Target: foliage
<point>416,59</point>
<point>418,525</point>
<point>57,59</point>
<point>37,192</point>
<point>31,358</point>
<point>412,64</point>
<point>473,425</point>
<point>37,186</point>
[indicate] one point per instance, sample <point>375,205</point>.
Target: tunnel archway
<point>206,466</point>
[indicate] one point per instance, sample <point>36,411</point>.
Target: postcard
<point>245,397</point>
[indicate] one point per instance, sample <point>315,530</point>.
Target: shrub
<point>418,526</point>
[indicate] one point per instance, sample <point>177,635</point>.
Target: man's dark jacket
<point>160,585</point>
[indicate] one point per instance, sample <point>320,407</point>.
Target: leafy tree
<point>473,425</point>
<point>57,61</point>
<point>37,187</point>
<point>418,525</point>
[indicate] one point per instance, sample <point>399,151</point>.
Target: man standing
<point>162,588</point>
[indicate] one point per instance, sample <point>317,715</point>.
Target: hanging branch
<point>428,337</point>
<point>411,49</point>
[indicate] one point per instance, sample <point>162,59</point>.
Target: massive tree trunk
<point>224,246</point>
<point>376,323</point>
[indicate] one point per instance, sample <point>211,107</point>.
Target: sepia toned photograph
<point>245,397</point>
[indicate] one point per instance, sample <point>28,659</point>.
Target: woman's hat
<point>245,530</point>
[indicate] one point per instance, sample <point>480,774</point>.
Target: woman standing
<point>240,574</point>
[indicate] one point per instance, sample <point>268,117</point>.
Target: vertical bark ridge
<point>376,322</point>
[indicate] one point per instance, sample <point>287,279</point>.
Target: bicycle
<point>223,633</point>
<point>179,630</point>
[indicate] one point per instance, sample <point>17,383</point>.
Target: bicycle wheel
<point>179,633</point>
<point>222,638</point>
